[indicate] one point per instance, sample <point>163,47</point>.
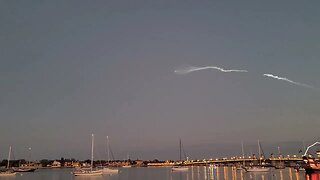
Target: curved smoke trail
<point>288,80</point>
<point>192,69</point>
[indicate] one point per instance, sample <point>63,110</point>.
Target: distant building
<point>71,164</point>
<point>85,165</point>
<point>56,164</point>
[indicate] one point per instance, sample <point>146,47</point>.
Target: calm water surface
<point>164,173</point>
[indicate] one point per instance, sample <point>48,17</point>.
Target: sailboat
<point>180,168</point>
<point>241,167</point>
<point>127,163</point>
<point>7,171</point>
<point>88,171</point>
<point>25,168</point>
<point>281,164</point>
<point>107,170</point>
<point>258,168</point>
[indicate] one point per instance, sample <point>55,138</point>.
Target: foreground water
<point>164,173</point>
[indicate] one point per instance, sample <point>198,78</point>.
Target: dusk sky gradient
<point>72,68</point>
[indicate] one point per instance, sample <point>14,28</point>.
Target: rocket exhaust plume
<point>190,69</point>
<point>288,80</point>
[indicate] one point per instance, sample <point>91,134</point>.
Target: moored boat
<point>257,169</point>
<point>260,167</point>
<point>280,166</point>
<point>24,169</point>
<point>7,171</point>
<point>88,171</point>
<point>179,168</point>
<point>107,170</point>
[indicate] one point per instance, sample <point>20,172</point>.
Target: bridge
<point>233,161</point>
<point>247,160</point>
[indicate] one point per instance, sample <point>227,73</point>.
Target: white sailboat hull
<point>257,169</point>
<point>109,171</point>
<point>87,173</point>
<point>7,172</point>
<point>179,169</point>
<point>25,169</point>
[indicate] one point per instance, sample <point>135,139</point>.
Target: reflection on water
<point>163,173</point>
<point>231,173</point>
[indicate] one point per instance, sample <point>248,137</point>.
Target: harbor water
<point>165,173</point>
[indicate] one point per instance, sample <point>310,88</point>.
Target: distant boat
<point>281,164</point>
<point>180,168</point>
<point>88,171</point>
<point>25,168</point>
<point>7,171</point>
<point>299,168</point>
<point>239,166</point>
<point>127,163</point>
<point>260,167</point>
<point>108,170</point>
<point>257,169</point>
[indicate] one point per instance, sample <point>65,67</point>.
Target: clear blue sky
<point>72,68</point>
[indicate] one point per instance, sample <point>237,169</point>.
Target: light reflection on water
<point>163,173</point>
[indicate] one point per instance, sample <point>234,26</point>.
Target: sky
<point>72,68</point>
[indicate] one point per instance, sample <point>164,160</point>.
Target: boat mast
<point>304,146</point>
<point>29,163</point>
<point>92,143</point>
<point>180,148</point>
<point>259,151</point>
<point>279,153</point>
<point>108,150</point>
<point>9,155</point>
<point>242,148</point>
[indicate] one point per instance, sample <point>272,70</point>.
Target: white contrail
<point>288,80</point>
<point>192,69</point>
